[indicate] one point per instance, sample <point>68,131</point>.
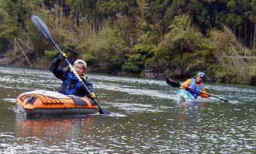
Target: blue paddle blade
<point>41,26</point>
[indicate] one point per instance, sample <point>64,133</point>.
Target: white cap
<point>80,61</point>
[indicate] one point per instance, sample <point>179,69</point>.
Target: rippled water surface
<point>145,119</point>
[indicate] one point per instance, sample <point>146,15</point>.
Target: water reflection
<point>190,110</point>
<point>189,117</point>
<point>54,130</point>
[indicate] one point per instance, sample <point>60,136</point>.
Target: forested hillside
<point>152,38</point>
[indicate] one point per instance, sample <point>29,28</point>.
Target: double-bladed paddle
<point>42,27</point>
<point>176,84</point>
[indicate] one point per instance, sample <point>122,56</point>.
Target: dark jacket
<point>70,85</point>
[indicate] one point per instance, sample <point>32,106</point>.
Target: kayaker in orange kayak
<point>195,86</point>
<point>71,85</point>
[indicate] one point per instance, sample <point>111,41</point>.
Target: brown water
<point>145,119</point>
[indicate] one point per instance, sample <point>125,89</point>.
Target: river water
<point>145,119</point>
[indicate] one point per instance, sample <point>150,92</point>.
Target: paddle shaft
<point>218,97</point>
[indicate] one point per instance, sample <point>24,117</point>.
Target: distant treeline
<point>153,38</point>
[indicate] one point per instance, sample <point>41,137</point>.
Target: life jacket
<point>72,86</point>
<point>195,88</point>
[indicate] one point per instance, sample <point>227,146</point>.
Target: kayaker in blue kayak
<point>195,86</point>
<point>71,85</point>
<point>192,88</point>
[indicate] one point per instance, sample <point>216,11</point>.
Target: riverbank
<point>135,42</point>
<point>43,64</point>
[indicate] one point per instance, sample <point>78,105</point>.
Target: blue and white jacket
<point>70,84</point>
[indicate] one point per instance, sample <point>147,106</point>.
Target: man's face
<point>199,79</point>
<point>80,69</point>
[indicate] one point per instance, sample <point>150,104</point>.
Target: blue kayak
<point>185,96</point>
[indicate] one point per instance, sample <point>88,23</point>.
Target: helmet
<point>201,75</point>
<point>80,61</point>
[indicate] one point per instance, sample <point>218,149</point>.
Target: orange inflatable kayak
<point>50,102</point>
